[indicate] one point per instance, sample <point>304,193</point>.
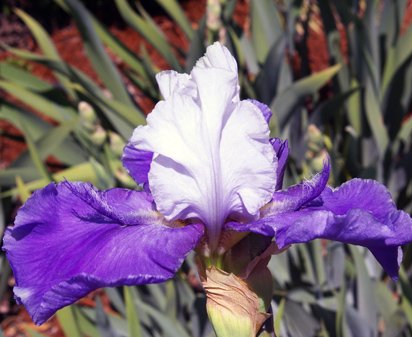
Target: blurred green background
<point>76,77</point>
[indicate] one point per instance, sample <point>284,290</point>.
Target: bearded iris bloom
<point>210,175</point>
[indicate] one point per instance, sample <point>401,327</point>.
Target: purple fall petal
<point>360,212</point>
<point>282,152</point>
<point>137,163</point>
<point>355,227</point>
<point>70,239</point>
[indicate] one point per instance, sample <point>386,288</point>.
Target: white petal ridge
<point>212,155</point>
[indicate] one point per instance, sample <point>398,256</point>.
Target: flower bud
<point>317,162</point>
<point>87,115</point>
<point>98,137</point>
<point>116,143</point>
<point>233,308</point>
<point>314,135</point>
<point>214,11</point>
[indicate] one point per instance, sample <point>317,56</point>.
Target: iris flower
<point>210,175</point>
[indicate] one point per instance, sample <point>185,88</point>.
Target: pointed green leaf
<point>285,102</point>
<point>340,310</point>
<point>34,154</point>
<point>55,137</point>
<point>22,77</point>
<point>119,48</point>
<point>103,321</point>
<point>396,58</point>
<point>8,176</point>
<point>354,108</point>
<point>278,316</point>
<point>100,60</point>
<point>68,322</point>
<point>81,172</point>
<point>146,29</point>
<point>87,327</point>
<point>365,295</point>
<point>173,8</point>
<point>131,115</point>
<point>46,45</point>
<point>318,262</point>
<point>266,27</point>
<point>385,300</point>
<point>131,314</point>
<point>67,151</point>
<point>38,102</point>
<point>168,325</point>
<point>405,132</point>
<point>375,120</point>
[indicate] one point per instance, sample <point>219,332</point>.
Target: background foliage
<point>338,76</point>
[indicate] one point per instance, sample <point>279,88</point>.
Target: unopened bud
<point>214,11</point>
<point>318,162</point>
<point>233,308</point>
<point>116,143</point>
<point>98,137</point>
<point>315,140</point>
<point>87,115</point>
<point>314,134</point>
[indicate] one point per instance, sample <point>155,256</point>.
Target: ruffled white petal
<point>170,81</point>
<point>218,56</point>
<point>213,158</point>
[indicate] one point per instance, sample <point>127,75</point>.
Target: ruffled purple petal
<point>70,239</point>
<point>360,212</point>
<point>282,152</point>
<point>355,227</point>
<point>267,113</point>
<point>137,163</point>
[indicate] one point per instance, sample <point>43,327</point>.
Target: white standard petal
<point>213,158</point>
